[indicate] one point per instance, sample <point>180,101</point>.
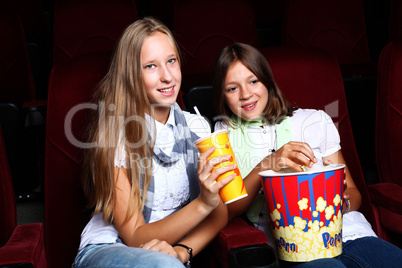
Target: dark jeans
<point>361,252</point>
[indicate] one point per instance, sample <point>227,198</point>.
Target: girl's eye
<point>255,81</point>
<point>230,89</point>
<point>150,66</point>
<point>171,61</point>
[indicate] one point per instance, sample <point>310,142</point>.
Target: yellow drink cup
<point>235,189</point>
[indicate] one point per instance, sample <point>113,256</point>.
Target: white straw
<point>200,117</point>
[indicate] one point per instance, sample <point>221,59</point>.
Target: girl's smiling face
<point>244,94</point>
<point>161,72</point>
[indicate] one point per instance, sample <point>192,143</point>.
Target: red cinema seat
<point>18,93</point>
<point>203,28</point>
<point>20,245</point>
<point>337,26</point>
<point>387,195</point>
<point>82,27</point>
<point>395,20</point>
<point>17,83</point>
<point>71,84</point>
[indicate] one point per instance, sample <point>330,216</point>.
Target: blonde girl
<point>155,201</point>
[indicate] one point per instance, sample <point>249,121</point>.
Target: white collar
<point>152,122</point>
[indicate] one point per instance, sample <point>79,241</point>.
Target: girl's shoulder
<point>310,118</point>
<point>220,125</point>
<point>312,114</point>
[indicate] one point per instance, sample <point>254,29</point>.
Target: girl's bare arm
<point>174,227</point>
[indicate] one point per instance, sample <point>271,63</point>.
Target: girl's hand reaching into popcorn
<point>293,154</point>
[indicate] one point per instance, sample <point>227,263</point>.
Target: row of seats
<point>20,111</point>
<point>203,27</point>
<point>300,73</point>
<point>336,26</point>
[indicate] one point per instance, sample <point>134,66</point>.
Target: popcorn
<point>319,241</point>
<point>303,167</point>
<point>329,211</point>
<point>275,215</point>
<point>321,204</point>
<point>300,223</point>
<point>337,200</point>
<point>303,204</point>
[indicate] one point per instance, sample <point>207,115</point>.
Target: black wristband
<point>189,250</point>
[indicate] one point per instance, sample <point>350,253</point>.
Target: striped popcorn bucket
<point>306,211</point>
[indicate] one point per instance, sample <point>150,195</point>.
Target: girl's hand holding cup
<point>217,148</point>
<point>207,177</point>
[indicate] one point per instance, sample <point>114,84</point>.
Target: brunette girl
<point>266,132</point>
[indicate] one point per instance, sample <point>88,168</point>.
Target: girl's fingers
<point>307,155</point>
<point>300,147</point>
<point>217,160</point>
<point>209,166</point>
<point>297,160</point>
<point>305,149</point>
<point>219,171</point>
<point>294,165</point>
<point>296,155</point>
<point>149,244</point>
<point>211,181</point>
<point>225,181</point>
<point>160,246</point>
<point>202,159</point>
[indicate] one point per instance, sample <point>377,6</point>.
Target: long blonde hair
<point>121,96</point>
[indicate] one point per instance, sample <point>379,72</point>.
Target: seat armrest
<point>387,195</point>
<point>237,234</point>
<point>257,256</point>
<point>26,245</point>
<point>35,113</point>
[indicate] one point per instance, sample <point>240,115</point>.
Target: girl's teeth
<point>166,90</point>
<point>248,106</point>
